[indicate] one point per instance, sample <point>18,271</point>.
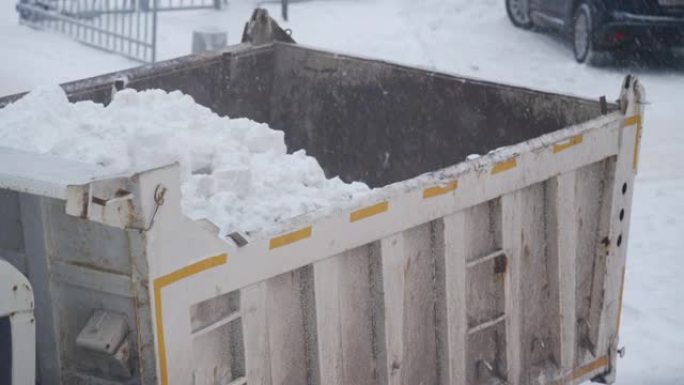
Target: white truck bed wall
<point>507,269</point>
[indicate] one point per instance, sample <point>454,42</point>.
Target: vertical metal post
<point>124,15</point>
<point>61,22</point>
<point>78,26</point>
<point>99,28</point>
<point>107,21</point>
<point>284,5</point>
<point>146,8</point>
<point>154,31</point>
<point>130,30</point>
<point>138,10</point>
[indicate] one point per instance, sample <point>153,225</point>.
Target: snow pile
<point>235,172</point>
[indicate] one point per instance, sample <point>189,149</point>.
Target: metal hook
<point>622,352</point>
<point>159,194</point>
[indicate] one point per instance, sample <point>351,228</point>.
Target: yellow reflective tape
<point>431,192</point>
<point>504,166</point>
<point>369,211</point>
<point>588,368</point>
<point>166,280</point>
<point>622,291</point>
<point>632,120</point>
<point>289,238</point>
<point>637,144</point>
<point>562,146</point>
<point>582,371</point>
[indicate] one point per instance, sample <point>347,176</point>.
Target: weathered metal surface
<point>17,327</point>
<point>380,123</point>
<point>505,268</point>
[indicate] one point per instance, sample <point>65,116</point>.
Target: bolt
<point>622,351</point>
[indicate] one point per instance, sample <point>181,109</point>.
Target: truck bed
<point>507,268</point>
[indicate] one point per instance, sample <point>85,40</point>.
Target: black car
<point>597,26</point>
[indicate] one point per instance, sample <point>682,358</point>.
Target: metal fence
<point>126,27</point>
<point>181,5</point>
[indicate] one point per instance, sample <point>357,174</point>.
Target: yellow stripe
<point>289,238</point>
<point>632,120</point>
<point>166,280</point>
<point>622,291</point>
<point>431,192</point>
<point>562,146</point>
<point>588,368</point>
<point>504,166</point>
<point>637,144</point>
<point>369,211</point>
<point>582,371</point>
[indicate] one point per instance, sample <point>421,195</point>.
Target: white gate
<point>126,27</point>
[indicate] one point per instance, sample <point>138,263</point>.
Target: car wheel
<point>519,13</point>
<point>582,32</point>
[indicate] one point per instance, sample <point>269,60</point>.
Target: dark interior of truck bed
<point>363,119</point>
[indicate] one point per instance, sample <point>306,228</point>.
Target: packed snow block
<point>235,173</point>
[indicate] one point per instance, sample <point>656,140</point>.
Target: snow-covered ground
<point>472,38</point>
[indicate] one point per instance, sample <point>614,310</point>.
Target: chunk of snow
<point>235,172</point>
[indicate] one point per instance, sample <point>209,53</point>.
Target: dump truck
<point>503,268</point>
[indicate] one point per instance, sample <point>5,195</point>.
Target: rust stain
<point>501,264</point>
<point>637,145</point>
<point>622,292</point>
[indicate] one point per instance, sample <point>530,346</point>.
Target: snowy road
<point>472,38</point>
